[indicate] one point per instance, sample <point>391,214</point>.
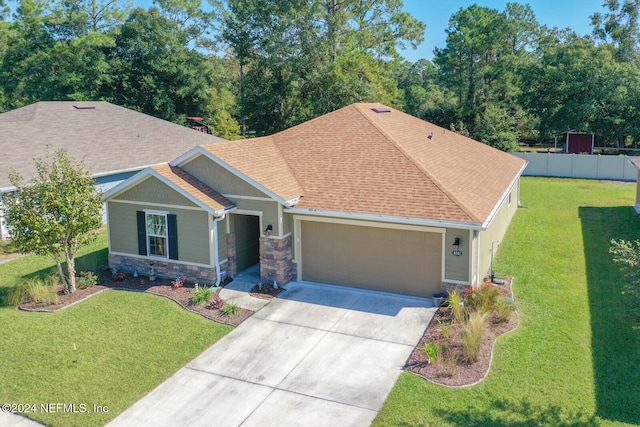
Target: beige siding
<point>222,238</point>
<point>457,267</point>
<point>269,211</point>
<point>218,178</point>
<point>193,231</point>
<point>152,190</point>
<point>393,260</point>
<point>287,224</point>
<point>123,227</point>
<point>496,231</point>
<point>193,236</point>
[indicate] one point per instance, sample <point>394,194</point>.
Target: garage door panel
<point>404,261</point>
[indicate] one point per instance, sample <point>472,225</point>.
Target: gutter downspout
<point>216,249</point>
<point>478,278</point>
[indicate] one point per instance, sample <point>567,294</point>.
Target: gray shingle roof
<point>106,137</point>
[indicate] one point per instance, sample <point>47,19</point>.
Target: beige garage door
<point>402,261</point>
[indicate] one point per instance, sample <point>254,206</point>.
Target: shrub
<point>202,296</point>
<point>34,290</point>
<point>504,307</point>
<point>445,327</point>
<point>429,350</point>
<point>229,309</point>
<point>472,335</point>
<point>484,297</point>
<point>217,303</point>
<point>86,279</point>
<point>456,303</point>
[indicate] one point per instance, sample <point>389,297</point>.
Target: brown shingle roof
<point>106,137</point>
<point>355,160</point>
<point>261,160</point>
<point>197,189</point>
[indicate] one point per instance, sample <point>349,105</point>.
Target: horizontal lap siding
<point>218,178</point>
<point>457,267</point>
<point>152,190</point>
<point>193,231</point>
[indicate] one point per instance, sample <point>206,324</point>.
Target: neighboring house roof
<point>388,163</point>
<point>107,138</point>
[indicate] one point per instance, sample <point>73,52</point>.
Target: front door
<point>247,231</point>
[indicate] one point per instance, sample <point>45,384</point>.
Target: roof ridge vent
<point>84,107</point>
<point>381,109</point>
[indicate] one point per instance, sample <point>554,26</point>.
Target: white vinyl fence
<point>615,168</point>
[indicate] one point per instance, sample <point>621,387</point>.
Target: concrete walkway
<point>319,355</point>
<point>237,291</point>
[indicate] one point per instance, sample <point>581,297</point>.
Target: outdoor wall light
<point>269,229</point>
<point>456,247</point>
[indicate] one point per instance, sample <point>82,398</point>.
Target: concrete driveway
<point>319,355</point>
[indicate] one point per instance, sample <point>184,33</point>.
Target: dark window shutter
<point>142,233</point>
<point>172,231</point>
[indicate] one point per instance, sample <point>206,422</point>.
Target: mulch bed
<point>160,287</point>
<point>463,373</point>
<point>269,294</point>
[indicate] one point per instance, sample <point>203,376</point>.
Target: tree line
<point>255,67</point>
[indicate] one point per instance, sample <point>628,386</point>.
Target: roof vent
<point>84,107</point>
<point>382,109</point>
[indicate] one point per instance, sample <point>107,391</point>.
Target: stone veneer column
<point>232,267</point>
<point>275,259</point>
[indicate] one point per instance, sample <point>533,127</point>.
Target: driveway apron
<point>320,355</point>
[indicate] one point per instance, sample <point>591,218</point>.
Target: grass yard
<point>108,351</point>
<point>574,359</point>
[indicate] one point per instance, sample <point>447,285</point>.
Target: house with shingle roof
<point>365,196</point>
<point>113,142</point>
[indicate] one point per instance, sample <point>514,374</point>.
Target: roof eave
<point>387,218</point>
<point>495,209</point>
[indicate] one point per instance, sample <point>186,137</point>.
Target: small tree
<point>54,213</point>
<point>627,254</point>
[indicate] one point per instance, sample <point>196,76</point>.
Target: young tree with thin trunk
<point>55,213</point>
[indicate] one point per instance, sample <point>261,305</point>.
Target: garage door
<point>384,259</point>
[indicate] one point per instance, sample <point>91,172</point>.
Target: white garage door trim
<point>297,227</point>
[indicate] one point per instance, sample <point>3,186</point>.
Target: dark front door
<point>247,230</point>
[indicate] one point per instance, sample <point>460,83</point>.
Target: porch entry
<point>247,232</point>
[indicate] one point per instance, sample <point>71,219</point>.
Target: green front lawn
<point>574,359</point>
<point>108,351</point>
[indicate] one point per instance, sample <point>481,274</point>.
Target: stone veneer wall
<point>448,287</point>
<point>164,268</point>
<point>232,267</point>
<point>275,259</point>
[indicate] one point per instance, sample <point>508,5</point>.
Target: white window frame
<point>164,236</point>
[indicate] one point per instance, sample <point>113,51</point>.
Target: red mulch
<point>160,287</point>
<point>461,373</point>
